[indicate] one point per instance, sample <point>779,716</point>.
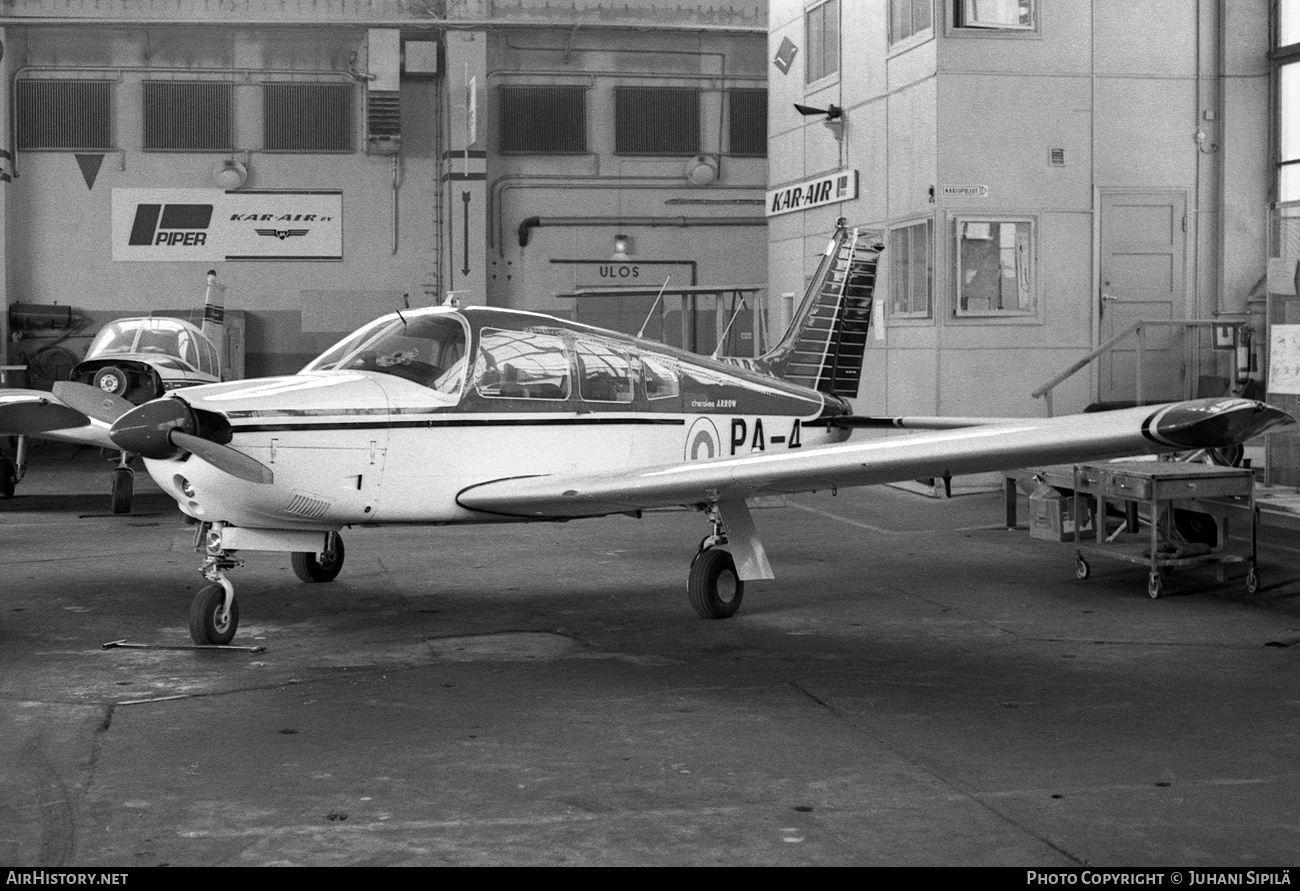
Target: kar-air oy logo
<point>183,224</point>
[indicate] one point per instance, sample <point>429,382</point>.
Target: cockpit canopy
<point>426,348</point>
<point>155,339</point>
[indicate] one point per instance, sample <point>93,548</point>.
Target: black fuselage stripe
<point>439,422</point>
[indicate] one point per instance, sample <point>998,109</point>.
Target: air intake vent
<point>307,506</point>
<point>383,122</point>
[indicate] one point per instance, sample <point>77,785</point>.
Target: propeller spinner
<point>166,427</point>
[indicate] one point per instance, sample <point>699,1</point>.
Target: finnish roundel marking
<point>702,441</point>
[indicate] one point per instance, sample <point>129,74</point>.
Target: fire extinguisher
<point>1245,361</point>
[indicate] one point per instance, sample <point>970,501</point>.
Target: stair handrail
<point>1045,389</point>
<point>1136,328</point>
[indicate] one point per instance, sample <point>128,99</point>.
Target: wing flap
<point>982,449</point>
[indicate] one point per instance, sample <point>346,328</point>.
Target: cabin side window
<point>521,365</point>
<point>661,381</point>
<point>604,374</point>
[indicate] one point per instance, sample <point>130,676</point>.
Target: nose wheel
<point>214,615</point>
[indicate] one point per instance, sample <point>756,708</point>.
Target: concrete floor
<point>919,686</point>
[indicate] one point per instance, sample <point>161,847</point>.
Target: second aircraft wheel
<point>324,567</point>
<point>208,627</point>
<point>715,589</point>
<point>1154,585</point>
<point>123,488</point>
<point>1081,568</point>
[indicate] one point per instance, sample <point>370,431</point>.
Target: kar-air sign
<point>210,224</point>
<point>842,185</point>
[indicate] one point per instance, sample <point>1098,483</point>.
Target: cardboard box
<point>1051,515</point>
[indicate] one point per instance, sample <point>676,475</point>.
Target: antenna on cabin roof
<point>735,313</point>
<point>653,306</point>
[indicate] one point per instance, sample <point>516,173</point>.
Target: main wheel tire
<point>1081,569</point>
<point>714,588</point>
<point>323,567</point>
<point>206,626</point>
<point>1155,587</point>
<point>112,379</point>
<point>8,478</point>
<point>123,489</point>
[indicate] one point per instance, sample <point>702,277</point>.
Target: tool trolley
<point>1175,497</point>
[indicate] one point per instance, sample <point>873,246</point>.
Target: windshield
<point>161,336</point>
<point>427,349</point>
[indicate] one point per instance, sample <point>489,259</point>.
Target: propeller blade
<point>224,458</point>
<point>92,401</point>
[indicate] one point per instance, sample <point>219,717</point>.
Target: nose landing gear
<point>214,612</point>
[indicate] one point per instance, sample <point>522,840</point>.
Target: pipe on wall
<point>528,225</point>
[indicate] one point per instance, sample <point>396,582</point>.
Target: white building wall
<point>1121,89</point>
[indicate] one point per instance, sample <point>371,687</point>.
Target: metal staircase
<point>825,344</point>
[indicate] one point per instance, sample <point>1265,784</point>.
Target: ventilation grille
<point>656,121</point>
<point>307,117</point>
<point>65,114</point>
<point>543,120</point>
<point>383,113</point>
<point>187,116</point>
<point>307,506</point>
<point>747,123</point>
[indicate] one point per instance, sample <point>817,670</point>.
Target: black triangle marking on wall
<point>89,165</point>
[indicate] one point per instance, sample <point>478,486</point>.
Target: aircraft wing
<point>44,415</point>
<point>1197,424</point>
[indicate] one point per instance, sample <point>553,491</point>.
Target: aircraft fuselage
<point>368,445</point>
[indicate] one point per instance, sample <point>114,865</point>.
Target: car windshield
<point>164,337</point>
<point>427,349</point>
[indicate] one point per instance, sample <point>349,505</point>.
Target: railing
<point>1138,328</point>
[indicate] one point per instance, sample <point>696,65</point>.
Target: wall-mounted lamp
<point>834,117</point>
<point>622,247</point>
<point>701,170</point>
<point>229,174</point>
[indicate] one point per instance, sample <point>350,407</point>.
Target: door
<point>1143,278</point>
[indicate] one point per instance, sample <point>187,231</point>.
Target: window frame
<point>895,280</point>
<point>817,54</point>
<point>1285,58</point>
<point>566,352</point>
<point>1032,312</point>
<point>958,26</point>
<point>916,34</point>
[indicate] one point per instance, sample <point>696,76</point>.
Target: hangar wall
<point>442,213</point>
<point>1050,122</point>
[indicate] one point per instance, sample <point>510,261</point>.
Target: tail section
<point>827,337</point>
<point>214,319</point>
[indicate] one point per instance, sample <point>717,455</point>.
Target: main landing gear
<point>214,612</point>
<point>714,587</point>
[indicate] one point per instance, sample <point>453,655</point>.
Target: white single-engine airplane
<point>479,415</point>
<point>128,363</point>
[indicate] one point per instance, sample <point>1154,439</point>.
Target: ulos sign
<point>842,185</point>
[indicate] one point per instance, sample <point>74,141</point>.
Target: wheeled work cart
<point>1176,497</point>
